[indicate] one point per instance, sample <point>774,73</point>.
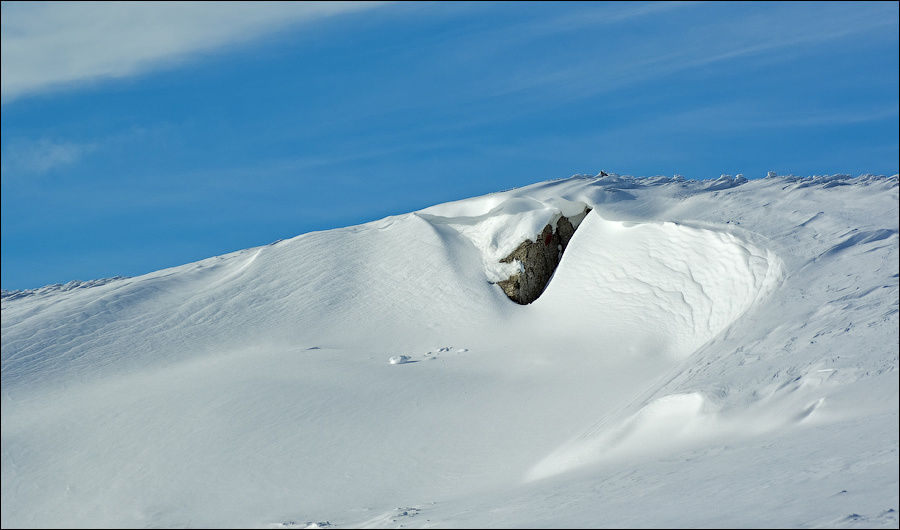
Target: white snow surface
<point>708,353</point>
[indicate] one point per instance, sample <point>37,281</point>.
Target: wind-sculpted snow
<point>499,230</point>
<point>55,288</point>
<point>704,349</point>
<point>665,284</point>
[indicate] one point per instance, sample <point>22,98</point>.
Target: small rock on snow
<point>399,359</point>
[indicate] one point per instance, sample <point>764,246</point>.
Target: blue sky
<point>141,136</point>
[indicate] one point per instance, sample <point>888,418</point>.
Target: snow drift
<point>733,341</point>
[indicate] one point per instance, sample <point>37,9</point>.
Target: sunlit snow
<point>707,353</point>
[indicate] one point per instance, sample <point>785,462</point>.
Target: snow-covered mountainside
<point>707,353</point>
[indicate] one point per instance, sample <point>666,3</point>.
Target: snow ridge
<point>55,288</point>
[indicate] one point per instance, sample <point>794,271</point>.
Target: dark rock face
<point>539,260</point>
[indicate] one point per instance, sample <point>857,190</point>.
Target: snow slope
<point>708,353</point>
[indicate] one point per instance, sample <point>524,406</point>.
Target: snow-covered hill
<point>707,353</point>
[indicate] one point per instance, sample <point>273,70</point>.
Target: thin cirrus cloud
<point>715,41</point>
<point>36,157</point>
<point>59,44</point>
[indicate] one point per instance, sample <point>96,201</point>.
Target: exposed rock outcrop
<point>538,260</point>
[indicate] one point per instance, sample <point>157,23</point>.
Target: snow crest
<point>497,231</point>
<point>674,285</point>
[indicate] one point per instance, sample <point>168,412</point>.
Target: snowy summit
<point>717,353</point>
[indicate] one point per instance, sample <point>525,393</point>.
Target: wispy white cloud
<point>596,17</point>
<point>35,157</point>
<point>739,116</point>
<point>749,115</point>
<point>57,44</point>
<point>780,33</point>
